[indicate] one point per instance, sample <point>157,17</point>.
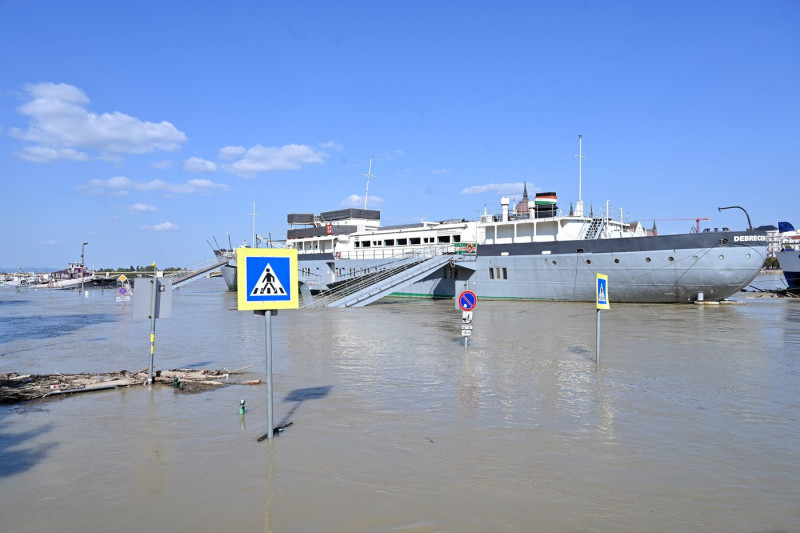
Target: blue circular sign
<point>123,291</point>
<point>467,301</point>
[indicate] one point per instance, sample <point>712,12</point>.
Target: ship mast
<point>580,156</point>
<point>368,175</point>
<point>253,242</point>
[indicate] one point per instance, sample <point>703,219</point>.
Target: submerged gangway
<point>386,279</point>
<point>193,272</point>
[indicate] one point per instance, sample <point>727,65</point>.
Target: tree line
<point>140,269</point>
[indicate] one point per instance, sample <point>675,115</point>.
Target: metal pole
<point>153,296</point>
<point>597,342</point>
<point>268,330</point>
<point>83,265</point>
<point>368,175</point>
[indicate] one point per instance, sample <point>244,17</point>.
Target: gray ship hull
<point>229,275</point>
<point>655,269</point>
<point>789,260</point>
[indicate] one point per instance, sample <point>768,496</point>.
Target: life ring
<point>23,282</point>
<point>470,249</point>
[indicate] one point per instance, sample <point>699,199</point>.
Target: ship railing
<point>378,259</point>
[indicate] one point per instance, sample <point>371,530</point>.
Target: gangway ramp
<point>193,272</point>
<point>371,287</point>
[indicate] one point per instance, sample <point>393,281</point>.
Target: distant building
<point>773,239</point>
<point>523,209</point>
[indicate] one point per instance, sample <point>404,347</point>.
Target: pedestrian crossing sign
<point>266,279</point>
<point>602,292</point>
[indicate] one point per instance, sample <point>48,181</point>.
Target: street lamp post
<point>83,267</point>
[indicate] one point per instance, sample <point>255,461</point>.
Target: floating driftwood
<point>22,387</point>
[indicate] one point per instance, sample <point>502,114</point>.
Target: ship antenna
<point>254,223</point>
<point>581,157</point>
<point>368,175</point>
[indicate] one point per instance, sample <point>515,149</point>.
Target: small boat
<point>69,278</point>
<point>22,279</point>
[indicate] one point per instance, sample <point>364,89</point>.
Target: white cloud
<point>44,154</point>
<point>48,242</point>
<point>441,171</point>
<point>142,208</point>
<point>496,188</point>
<point>115,183</point>
<point>197,164</point>
<point>259,158</point>
<point>122,185</point>
<point>162,165</point>
<point>232,152</point>
<point>60,125</point>
<point>332,146</point>
<point>355,200</point>
<point>166,226</point>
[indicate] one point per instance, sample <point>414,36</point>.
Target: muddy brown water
<point>691,422</point>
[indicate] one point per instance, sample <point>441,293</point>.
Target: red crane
<point>696,220</point>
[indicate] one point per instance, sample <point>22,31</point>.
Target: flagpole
<point>368,175</point>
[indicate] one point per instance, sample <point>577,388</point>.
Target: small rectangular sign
<point>466,326</point>
<point>466,333</point>
<point>466,316</point>
<point>466,248</point>
<point>143,303</point>
<point>601,292</point>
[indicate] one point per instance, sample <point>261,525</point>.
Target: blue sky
<point>147,128</point>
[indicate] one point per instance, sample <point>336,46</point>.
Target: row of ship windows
<point>494,272</point>
<point>440,239</point>
<point>647,259</point>
<point>502,273</point>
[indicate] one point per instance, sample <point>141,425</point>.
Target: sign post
<point>266,282</point>
<point>466,301</point>
<point>601,296</point>
<point>153,304</point>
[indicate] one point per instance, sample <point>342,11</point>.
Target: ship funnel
<point>504,201</point>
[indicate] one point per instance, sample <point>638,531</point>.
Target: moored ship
<point>530,252</point>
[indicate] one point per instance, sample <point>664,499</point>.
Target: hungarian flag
<point>546,198</point>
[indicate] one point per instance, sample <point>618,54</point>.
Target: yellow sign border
<point>607,304</point>
<point>241,279</point>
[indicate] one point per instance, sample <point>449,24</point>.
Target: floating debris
<point>16,388</point>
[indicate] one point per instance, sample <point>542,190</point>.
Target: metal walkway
<point>365,289</point>
<point>193,272</point>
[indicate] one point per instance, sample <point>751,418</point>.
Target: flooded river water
<point>691,421</point>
